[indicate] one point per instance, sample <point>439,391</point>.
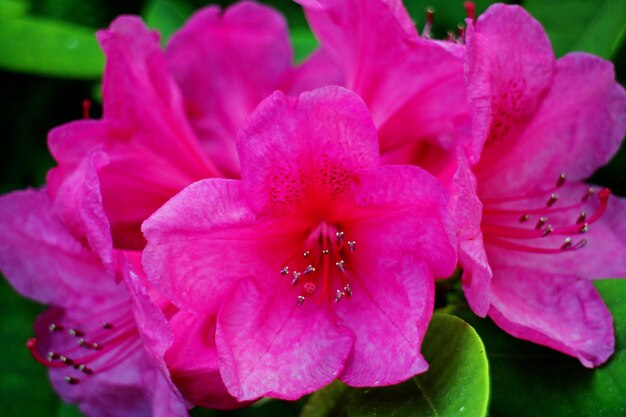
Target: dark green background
<point>32,104</point>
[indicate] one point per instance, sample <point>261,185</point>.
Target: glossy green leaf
<point>456,384</point>
<point>166,16</point>
<point>530,380</point>
<point>12,8</point>
<point>596,26</point>
<point>48,47</point>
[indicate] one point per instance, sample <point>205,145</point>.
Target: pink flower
<point>414,87</point>
<point>318,260</point>
<point>546,125</point>
<point>58,251</point>
<point>170,119</point>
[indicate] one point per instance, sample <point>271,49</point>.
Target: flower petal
<point>413,87</point>
<point>268,346</point>
<point>510,67</point>
<point>152,149</point>
<point>560,311</point>
<point>291,148</point>
<point>225,65</point>
<point>42,258</point>
<point>575,131</point>
<point>200,243</point>
<point>405,211</point>
<point>391,306</point>
<point>193,362</point>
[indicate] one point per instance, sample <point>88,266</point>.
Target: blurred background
<point>50,62</point>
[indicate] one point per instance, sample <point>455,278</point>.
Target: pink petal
<point>388,313</point>
<point>268,346</point>
<point>560,311</point>
<point>408,215</point>
<point>193,362</point>
<point>413,87</point>
<point>575,131</point>
<point>510,67</point>
<point>152,149</point>
<point>200,243</point>
<point>466,209</point>
<point>78,205</point>
<point>317,71</point>
<point>42,258</point>
<point>225,65</point>
<point>293,147</point>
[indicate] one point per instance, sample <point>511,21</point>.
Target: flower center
<point>561,214</point>
<point>86,347</point>
<point>321,268</point>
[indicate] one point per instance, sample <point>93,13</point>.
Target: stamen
<point>339,238</point>
<point>300,300</point>
<point>460,34</point>
<point>326,251</point>
<point>82,368</point>
<point>338,296</point>
<point>284,270</point>
<point>584,228</point>
<point>524,218</point>
<point>567,243</point>
<point>71,380</point>
<point>348,290</point>
<point>430,17</point>
<point>582,217</point>
<point>75,333</point>
<point>352,245</point>
<point>590,192</point>
<point>55,328</point>
<point>341,265</point>
<point>549,229</point>
<point>296,277</point>
<point>305,254</point>
<point>541,222</point>
<point>553,199</point>
<point>107,326</point>
<point>561,180</point>
<point>308,270</point>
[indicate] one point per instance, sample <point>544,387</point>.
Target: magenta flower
<point>171,119</point>
<point>318,260</point>
<point>57,250</point>
<point>414,87</point>
<point>546,125</point>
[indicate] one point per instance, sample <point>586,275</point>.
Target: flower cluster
<point>236,227</point>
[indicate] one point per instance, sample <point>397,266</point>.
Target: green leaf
<point>166,16</point>
<point>456,384</point>
<point>530,380</point>
<point>48,47</point>
<point>597,26</point>
<point>12,8</point>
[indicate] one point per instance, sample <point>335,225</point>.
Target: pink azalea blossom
<point>546,125</point>
<point>413,86</point>
<point>318,261</point>
<point>170,119</point>
<point>58,251</point>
